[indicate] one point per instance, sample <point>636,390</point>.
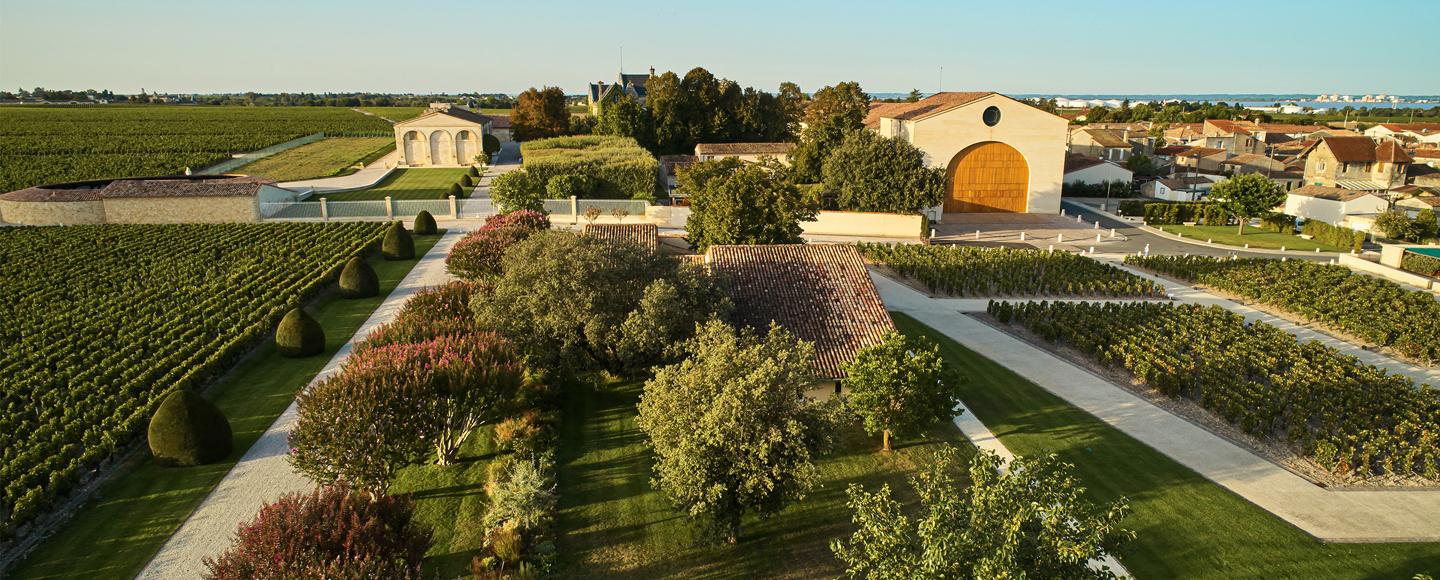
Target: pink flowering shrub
<point>478,255</point>
<point>430,313</point>
<point>330,533</point>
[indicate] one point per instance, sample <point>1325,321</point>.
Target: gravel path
<point>1332,516</point>
<point>263,474</point>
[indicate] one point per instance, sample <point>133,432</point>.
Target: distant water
<point>1328,106</point>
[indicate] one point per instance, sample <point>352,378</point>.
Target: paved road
<point>1138,238</point>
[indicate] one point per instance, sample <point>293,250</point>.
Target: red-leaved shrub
<point>429,314</point>
<point>330,533</point>
<point>478,255</point>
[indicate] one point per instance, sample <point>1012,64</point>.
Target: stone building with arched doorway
<point>447,137</point>
<point>999,154</point>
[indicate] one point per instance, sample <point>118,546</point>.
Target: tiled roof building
<point>646,235</point>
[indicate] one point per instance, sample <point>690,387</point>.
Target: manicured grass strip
<point>1256,237</point>
<point>1188,527</point>
<point>452,501</point>
<point>323,158</point>
<point>129,518</point>
<point>614,525</point>
<point>420,183</point>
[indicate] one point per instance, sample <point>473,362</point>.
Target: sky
<point>1010,46</point>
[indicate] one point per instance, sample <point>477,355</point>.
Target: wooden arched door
<point>987,177</point>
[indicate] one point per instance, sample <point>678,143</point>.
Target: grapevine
<point>971,271</point>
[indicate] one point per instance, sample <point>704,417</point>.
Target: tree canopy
<point>701,108</point>
<point>869,172</point>
<point>539,114</point>
<point>1025,520</point>
<point>734,203</point>
<point>1248,195</point>
<point>626,118</point>
<point>902,387</point>
<point>731,428</point>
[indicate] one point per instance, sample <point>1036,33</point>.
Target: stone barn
<point>442,137</point>
<point>144,200</point>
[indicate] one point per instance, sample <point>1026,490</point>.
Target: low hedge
<point>620,167</point>
<point>1283,223</point>
<point>1333,235</point>
<point>1176,213</point>
<point>1420,264</point>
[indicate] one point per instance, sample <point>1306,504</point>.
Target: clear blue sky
<point>1011,46</point>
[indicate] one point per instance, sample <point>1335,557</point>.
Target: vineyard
<point>1375,310</point>
<point>1350,417</point>
<point>40,145</point>
<point>101,322</point>
<point>971,271</point>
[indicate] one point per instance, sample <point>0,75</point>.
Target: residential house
<point>1091,170</point>
<point>1187,188</point>
<point>1234,137</point>
<point>747,152</point>
<point>500,126</point>
<point>1251,163</point>
<point>1185,134</point>
<point>1100,144</point>
<point>1333,205</point>
<point>1406,132</point>
<point>821,293</point>
<point>1200,159</point>
<point>670,166</point>
<point>1356,163</point>
<point>1413,206</point>
<point>1429,157</point>
<point>632,86</point>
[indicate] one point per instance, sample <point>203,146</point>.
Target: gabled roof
<point>1391,152</point>
<point>635,83</point>
<point>1228,126</point>
<point>1174,184</point>
<point>1105,138</point>
<point>1421,128</point>
<point>597,90</point>
<point>1430,200</point>
<point>646,235</point>
<point>878,110</point>
<point>1201,152</point>
<point>1172,149</point>
<point>744,148</point>
<point>1425,154</point>
<point>673,162</point>
<point>1328,193</point>
<point>1075,163</point>
<point>453,113</point>
<point>1243,159</point>
<point>499,120</point>
<point>938,103</point>
<point>821,293</point>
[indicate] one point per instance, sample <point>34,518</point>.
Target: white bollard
<point>1022,236</point>
<point>932,232</point>
<point>1097,224</point>
<point>977,234</point>
<point>1062,213</point>
<point>1092,249</point>
<point>1181,234</point>
<point>1283,258</point>
<point>1352,252</point>
<point>1078,220</point>
<point>1209,240</point>
<point>1060,239</point>
<point>1317,250</point>
<point>1051,249</point>
<point>1097,237</point>
<point>1282,248</point>
<point>1247,246</point>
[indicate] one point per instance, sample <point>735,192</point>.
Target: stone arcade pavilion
<point>446,136</point>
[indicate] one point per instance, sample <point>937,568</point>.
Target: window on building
<point>1367,167</point>
<point>1322,166</point>
<point>1344,168</point>
<point>1380,167</point>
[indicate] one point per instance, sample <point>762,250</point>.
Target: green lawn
<point>1256,237</point>
<point>614,525</point>
<point>452,500</point>
<point>130,518</point>
<point>324,158</point>
<point>415,183</point>
<point>1188,527</point>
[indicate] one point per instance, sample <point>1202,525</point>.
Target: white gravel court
<point>263,474</point>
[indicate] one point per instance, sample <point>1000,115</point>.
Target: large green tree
<point>1246,196</point>
<point>626,118</point>
<point>869,172</point>
<point>735,203</point>
<point>1025,520</point>
<point>584,302</point>
<point>539,114</point>
<point>902,387</point>
<point>701,108</point>
<point>732,429</point>
<point>844,101</point>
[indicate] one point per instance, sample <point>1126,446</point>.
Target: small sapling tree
<point>902,387</point>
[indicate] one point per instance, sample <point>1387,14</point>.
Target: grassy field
<point>422,183</point>
<point>452,501</point>
<point>1188,527</point>
<point>129,518</point>
<point>1256,237</point>
<point>614,525</point>
<point>324,158</point>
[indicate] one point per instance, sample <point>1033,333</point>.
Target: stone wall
<point>52,213</point>
<point>181,210</point>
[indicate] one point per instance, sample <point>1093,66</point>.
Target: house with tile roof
<point>1199,159</point>
<point>821,293</point>
<point>1414,205</point>
<point>445,136</point>
<point>1356,163</point>
<point>645,235</point>
<point>999,154</point>
<point>1334,206</point>
<point>144,200</point>
<point>1235,137</point>
<point>1101,144</point>
<point>1080,169</point>
<point>747,152</point>
<point>1406,132</point>
<point>632,86</point>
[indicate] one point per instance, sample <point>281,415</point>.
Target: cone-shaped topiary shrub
<point>187,430</point>
<point>466,181</point>
<point>473,172</point>
<point>299,335</point>
<point>456,190</point>
<point>398,244</point>
<point>358,279</point>
<point>424,224</point>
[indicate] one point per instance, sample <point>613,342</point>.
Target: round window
<point>992,116</point>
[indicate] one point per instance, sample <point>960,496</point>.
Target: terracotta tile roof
<point>453,113</point>
<point>673,162</point>
<point>178,186</point>
<point>820,292</point>
<point>936,103</point>
<point>1391,152</point>
<point>878,110</point>
<point>1172,149</point>
<point>499,120</point>
<point>1351,149</point>
<point>1430,200</point>
<point>744,148</point>
<point>1075,163</point>
<point>1421,128</point>
<point>1226,126</point>
<point>647,235</point>
<point>1243,159</point>
<point>1201,152</point>
<point>1105,138</point>
<point>1287,128</point>
<point>1174,184</point>
<point>1328,193</point>
<point>1425,154</point>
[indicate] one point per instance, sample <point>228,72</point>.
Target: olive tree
<point>731,428</point>
<point>902,387</point>
<point>1029,519</point>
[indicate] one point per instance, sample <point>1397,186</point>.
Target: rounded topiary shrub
<point>187,430</point>
<point>456,190</point>
<point>466,181</point>
<point>424,224</point>
<point>358,279</point>
<point>398,244</point>
<point>299,335</point>
<point>474,172</point>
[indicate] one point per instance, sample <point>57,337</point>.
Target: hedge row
<point>1176,213</point>
<point>1333,235</point>
<point>620,167</point>
<point>1420,264</point>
